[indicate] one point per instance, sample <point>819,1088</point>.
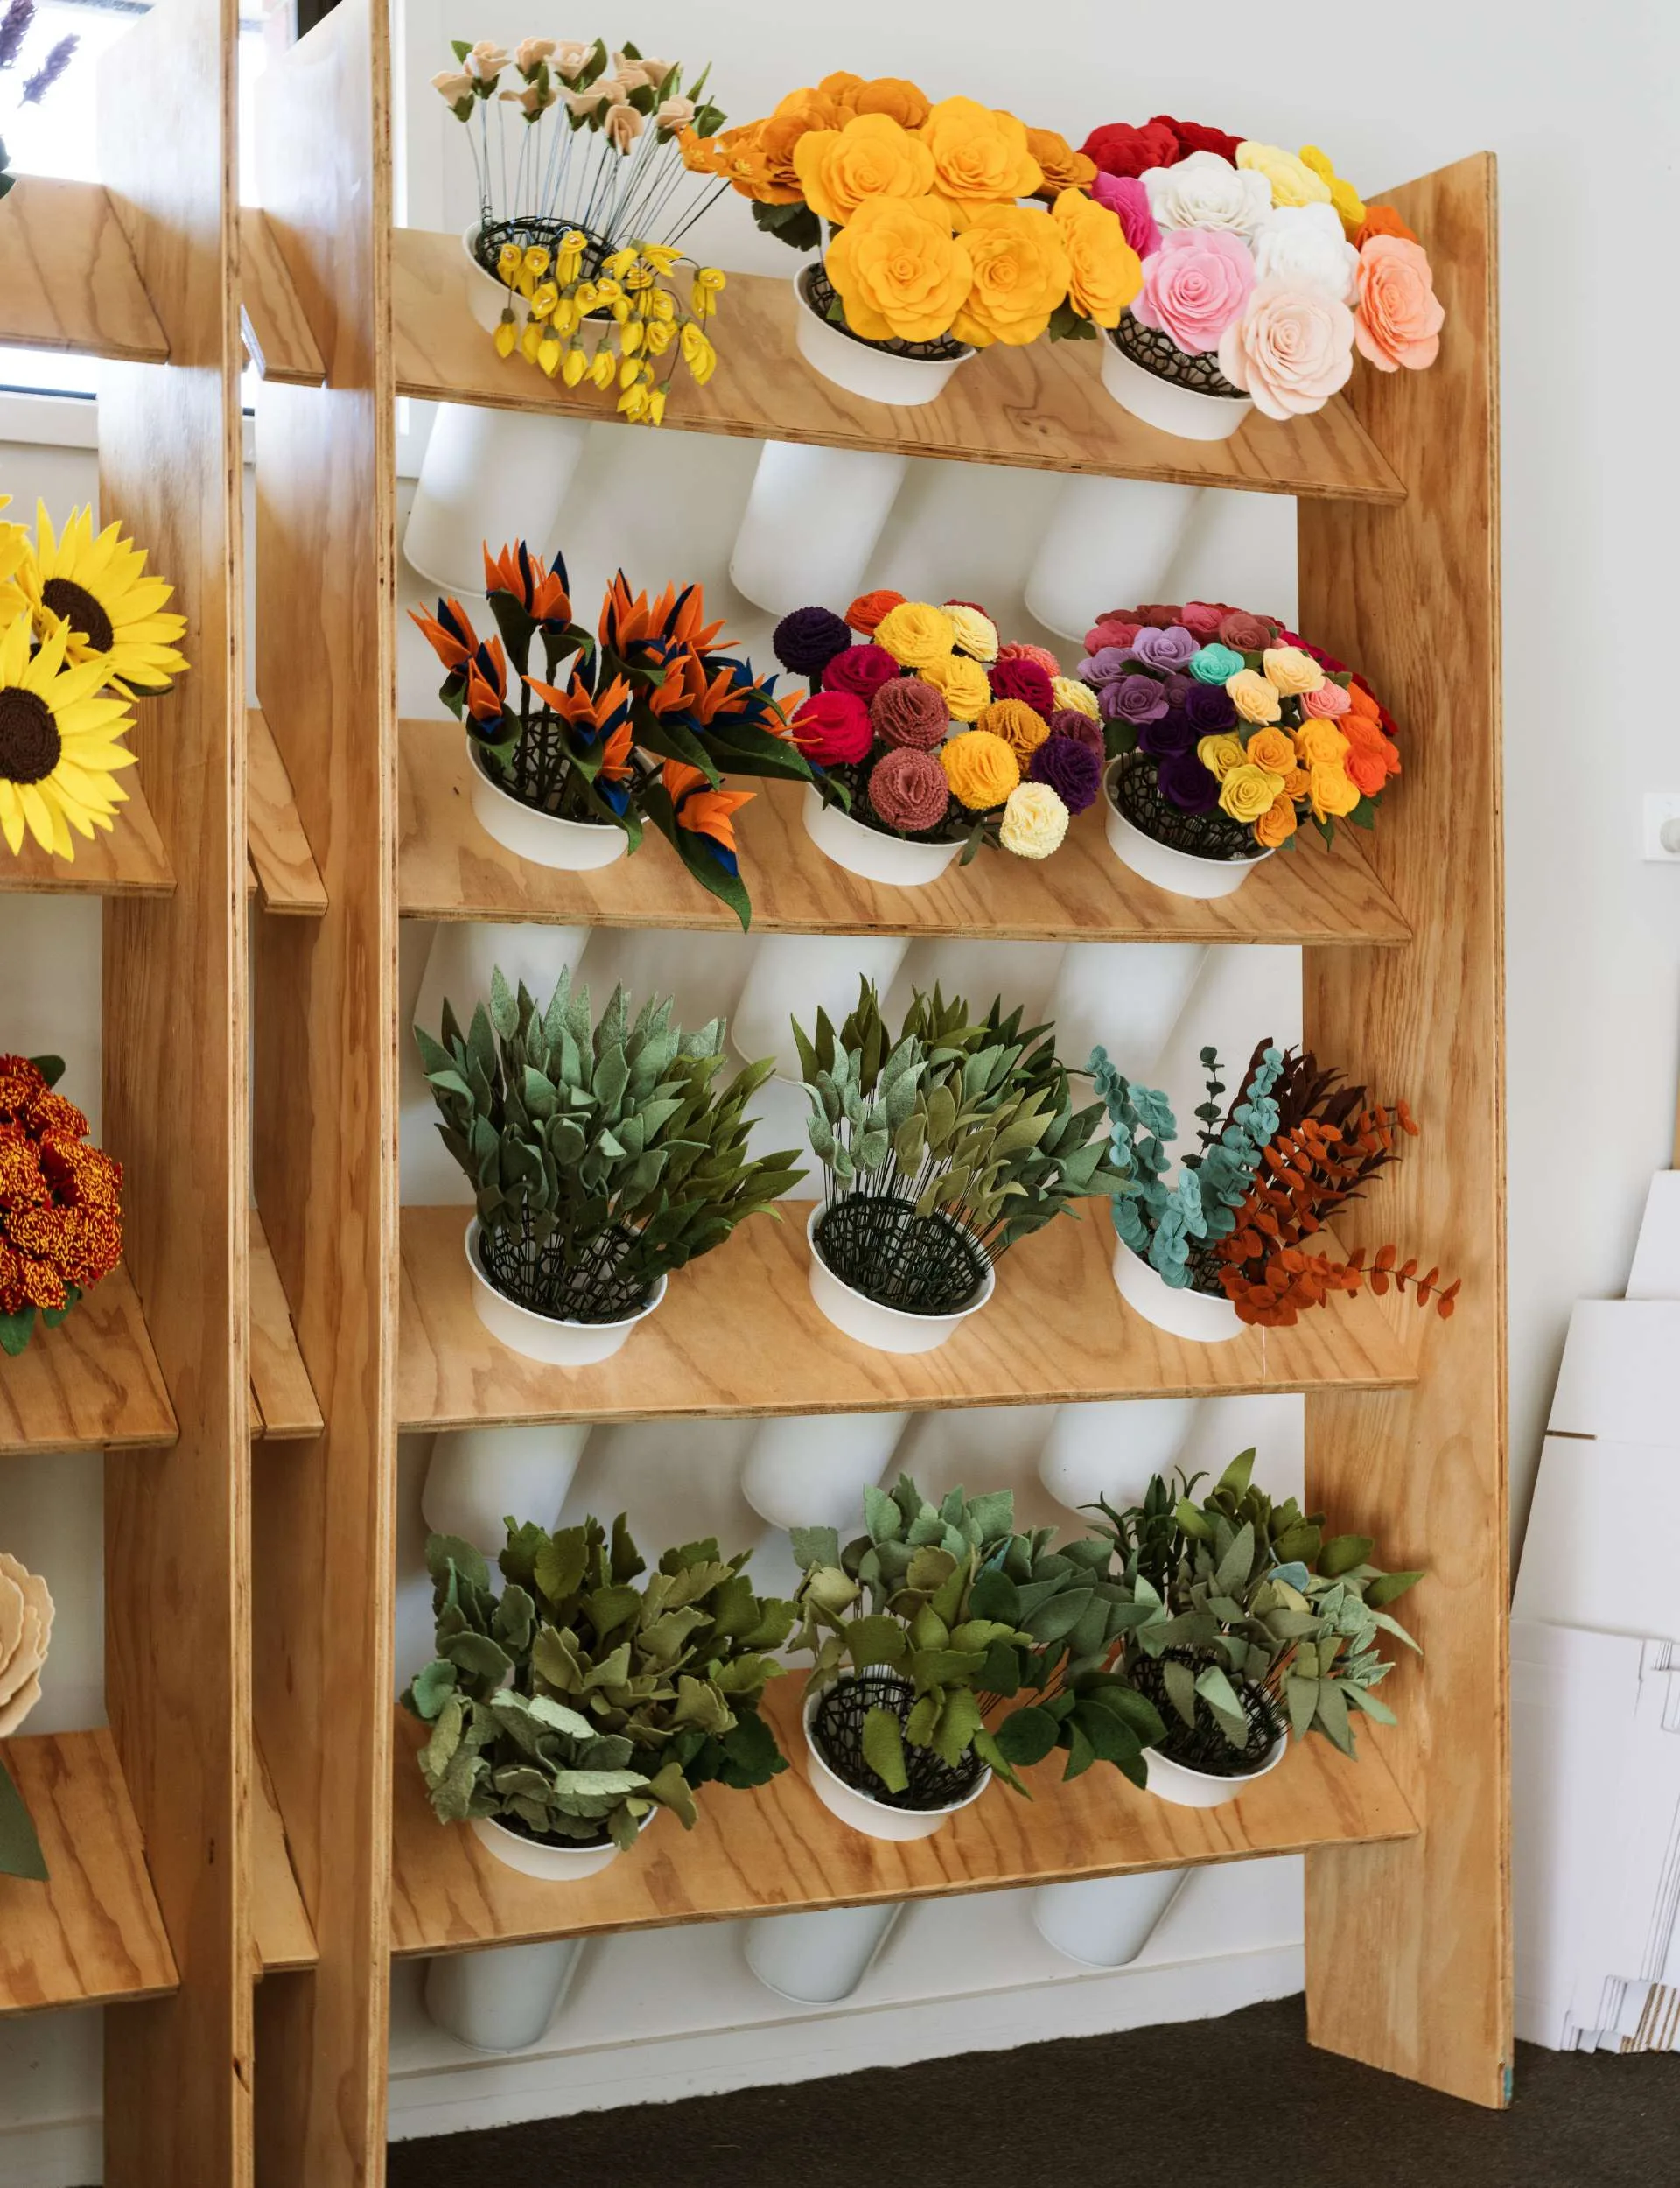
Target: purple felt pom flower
<point>1185,782</point>
<point>1134,700</point>
<point>807,640</point>
<point>1210,708</point>
<point>1072,770</point>
<point>1172,734</point>
<point>1174,648</point>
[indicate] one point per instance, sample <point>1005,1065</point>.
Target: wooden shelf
<point>278,335</point>
<point>67,278</point>
<point>283,1399</point>
<point>779,1849</point>
<point>280,1923</point>
<point>739,1335</point>
<point>92,1381</point>
<point>128,861</point>
<point>1043,408</point>
<point>449,869</point>
<point>91,1934</point>
<point>286,876</point>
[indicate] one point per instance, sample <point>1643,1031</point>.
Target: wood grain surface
<point>1408,1949</point>
<point>91,1934</point>
<point>92,1381</point>
<point>129,861</point>
<point>779,1849</point>
<point>1041,408</point>
<point>280,1924</point>
<point>284,866</point>
<point>278,335</point>
<point>280,1384</point>
<point>451,869</point>
<point>67,277</point>
<point>739,1335</point>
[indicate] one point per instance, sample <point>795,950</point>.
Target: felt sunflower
<point>14,552</point>
<point>99,588</point>
<point>59,747</point>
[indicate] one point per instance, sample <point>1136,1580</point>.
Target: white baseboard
<point>56,2154</point>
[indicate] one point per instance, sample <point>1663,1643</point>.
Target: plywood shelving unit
<point>68,280</point>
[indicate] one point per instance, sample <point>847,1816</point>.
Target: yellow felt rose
<point>872,157</point>
<point>1291,670</point>
<point>1248,791</point>
<point>1105,273</point>
<point>898,271</point>
<point>897,96</point>
<point>1022,728</point>
<point>1320,744</point>
<point>915,635</point>
<point>1220,755</point>
<point>1254,696</point>
<point>1330,791</point>
<point>961,683</point>
<point>1069,691</point>
<point>1350,206</point>
<point>981,154</point>
<point>1034,822</point>
<point>1292,181</point>
<point>976,633</point>
<point>981,770</point>
<point>1020,275</point>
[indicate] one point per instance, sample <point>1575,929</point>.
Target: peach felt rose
<point>981,153</point>
<point>25,1629</point>
<point>1020,275</point>
<point>1292,349</point>
<point>1063,168</point>
<point>898,271</point>
<point>1399,317</point>
<point>1255,697</point>
<point>872,157</point>
<point>1292,671</point>
<point>1105,273</point>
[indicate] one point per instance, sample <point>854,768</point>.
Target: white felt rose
<point>1206,191</point>
<point>1305,245</point>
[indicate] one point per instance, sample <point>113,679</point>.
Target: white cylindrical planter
<point>1111,1450</point>
<point>793,977</point>
<point>1185,1788</point>
<point>1176,1308</point>
<point>478,1477</point>
<point>811,1471</point>
<point>867,851</point>
<point>1180,872</point>
<point>818,1958</point>
<point>879,375</point>
<point>1105,1921</point>
<point>465,953</point>
<point>545,1338</point>
<point>1123,996</point>
<point>501,2001</point>
<point>543,839</point>
<point>883,1329</point>
<point>554,1862</point>
<point>811,525</point>
<point>488,477</point>
<point>1185,412</point>
<point>1110,544</point>
<point>874,1818</point>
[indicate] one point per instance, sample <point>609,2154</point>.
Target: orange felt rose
<point>1398,319</point>
<point>898,98</point>
<point>981,153</point>
<point>1273,749</point>
<point>1382,220</point>
<point>1063,168</point>
<point>843,87</point>
<point>1103,270</point>
<point>898,271</point>
<point>872,157</point>
<point>1366,767</point>
<point>1318,743</point>
<point>1020,274</point>
<point>1277,824</point>
<point>1361,702</point>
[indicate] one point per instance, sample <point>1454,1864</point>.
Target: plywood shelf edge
<point>282,1398</point>
<point>129,860</point>
<point>280,1924</point>
<point>283,866</point>
<point>93,1382</point>
<point>68,280</point>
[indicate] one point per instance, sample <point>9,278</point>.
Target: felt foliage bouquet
<point>15,26</point>
<point>60,1211</point>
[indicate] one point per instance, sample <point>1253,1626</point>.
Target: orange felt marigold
<point>60,1217</point>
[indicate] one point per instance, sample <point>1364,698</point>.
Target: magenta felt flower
<point>1126,198</point>
<point>1195,287</point>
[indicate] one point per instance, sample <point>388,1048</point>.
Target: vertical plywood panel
<point>1409,1946</point>
<point>178,2072</point>
<point>326,1093</point>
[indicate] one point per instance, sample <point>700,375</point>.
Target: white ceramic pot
<point>1125,996</point>
<point>1109,543</point>
<point>545,1338</point>
<point>811,525</point>
<point>867,852</point>
<point>905,382</point>
<point>477,1478</point>
<point>818,1958</point>
<point>873,1818</point>
<point>488,477</point>
<point>1185,1788</point>
<point>883,1329</point>
<point>543,839</point>
<point>504,2000</point>
<point>793,977</point>
<point>1181,872</point>
<point>1185,412</point>
<point>553,1864</point>
<point>488,297</point>
<point>1105,1921</point>
<point>1111,1449</point>
<point>1183,1313</point>
<point>811,1471</point>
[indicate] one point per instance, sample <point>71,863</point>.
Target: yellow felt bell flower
<point>661,256</point>
<point>656,406</point>
<point>549,355</point>
<point>531,340</point>
<point>509,259</point>
<point>603,371</point>
<point>619,263</point>
<point>573,366</point>
<point>545,299</point>
<point>506,335</point>
<point>631,338</point>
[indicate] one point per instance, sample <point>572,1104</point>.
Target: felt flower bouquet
<point>1226,734</point>
<point>576,254</point>
<point>651,717</point>
<point>1263,271</point>
<point>941,737</point>
<point>60,1211</point>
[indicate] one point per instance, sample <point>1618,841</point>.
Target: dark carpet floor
<point>1240,2100</point>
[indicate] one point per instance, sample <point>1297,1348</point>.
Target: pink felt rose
<point>1202,619</point>
<point>1398,319</point>
<point>1195,287</point>
<point>1327,702</point>
<point>1126,198</point>
<point>1292,349</point>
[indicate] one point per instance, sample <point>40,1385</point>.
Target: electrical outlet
<point>1662,825</point>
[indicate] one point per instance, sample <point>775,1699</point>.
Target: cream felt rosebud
<point>1304,245</point>
<point>571,57</point>
<point>674,114</point>
<point>26,1628</point>
<point>453,86</point>
<point>531,53</point>
<point>1206,191</point>
<point>487,60</point>
<point>622,127</point>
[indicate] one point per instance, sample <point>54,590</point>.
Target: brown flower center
<point>80,610</point>
<point>30,743</point>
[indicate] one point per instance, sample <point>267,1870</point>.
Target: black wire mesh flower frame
<point>838,1728</point>
<point>1205,1745</point>
<point>1154,351</point>
<point>607,1281</point>
<point>819,293</point>
<point>1136,793</point>
<point>537,229</point>
<point>875,1241</point>
<point>539,772</point>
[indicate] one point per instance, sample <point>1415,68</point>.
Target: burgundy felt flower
<point>860,669</point>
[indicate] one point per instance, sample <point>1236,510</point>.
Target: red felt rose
<point>1112,629</point>
<point>1197,136</point>
<point>1118,149</point>
<point>832,728</point>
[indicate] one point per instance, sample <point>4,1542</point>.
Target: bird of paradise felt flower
<point>97,585</point>
<point>704,811</point>
<point>60,753</point>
